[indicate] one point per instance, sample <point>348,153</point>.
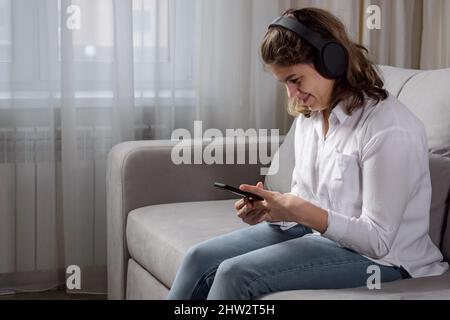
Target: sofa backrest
<point>427,94</point>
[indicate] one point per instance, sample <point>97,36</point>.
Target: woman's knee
<point>233,271</point>
<point>232,281</point>
<point>199,256</point>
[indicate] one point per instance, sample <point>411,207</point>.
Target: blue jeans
<point>260,259</point>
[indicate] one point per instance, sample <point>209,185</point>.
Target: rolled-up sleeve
<point>389,177</point>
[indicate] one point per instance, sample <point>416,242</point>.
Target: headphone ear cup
<point>317,59</point>
<point>333,60</point>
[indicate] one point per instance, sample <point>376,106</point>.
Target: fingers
<point>250,211</point>
<point>254,217</point>
<point>258,190</point>
<point>242,202</point>
<point>239,204</point>
<point>261,217</point>
<point>243,211</point>
<point>253,212</point>
<point>249,207</point>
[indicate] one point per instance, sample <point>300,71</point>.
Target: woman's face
<point>303,82</point>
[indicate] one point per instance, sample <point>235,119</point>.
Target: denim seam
<point>306,268</point>
<point>310,266</point>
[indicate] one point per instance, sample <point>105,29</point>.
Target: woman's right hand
<point>248,212</point>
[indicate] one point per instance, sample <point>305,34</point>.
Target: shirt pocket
<point>345,180</point>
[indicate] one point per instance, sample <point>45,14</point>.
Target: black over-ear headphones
<point>330,57</point>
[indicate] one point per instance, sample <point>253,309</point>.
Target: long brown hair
<point>284,48</point>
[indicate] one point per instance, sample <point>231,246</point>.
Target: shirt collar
<point>337,117</point>
<point>339,113</point>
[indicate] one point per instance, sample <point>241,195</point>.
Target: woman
<point>361,189</point>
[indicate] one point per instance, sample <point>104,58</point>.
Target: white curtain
<point>67,95</point>
<point>78,76</point>
<point>233,89</point>
<point>398,42</point>
<point>435,49</point>
<point>413,34</point>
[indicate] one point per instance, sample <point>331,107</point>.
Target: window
<point>163,50</point>
<point>5,32</point>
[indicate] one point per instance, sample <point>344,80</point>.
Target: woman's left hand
<point>275,207</point>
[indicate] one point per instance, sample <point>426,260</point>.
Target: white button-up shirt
<point>371,174</point>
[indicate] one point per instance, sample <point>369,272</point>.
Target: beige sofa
<point>157,210</point>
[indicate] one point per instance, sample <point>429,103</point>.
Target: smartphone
<point>248,195</point>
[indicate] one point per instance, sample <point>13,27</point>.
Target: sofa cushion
<point>395,78</point>
<point>446,239</point>
<point>437,287</point>
<point>158,236</point>
<point>141,285</point>
<point>427,94</point>
<point>440,185</point>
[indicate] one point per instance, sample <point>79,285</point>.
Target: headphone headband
<point>297,27</point>
<point>330,57</point>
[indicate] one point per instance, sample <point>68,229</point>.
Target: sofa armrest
<point>142,173</point>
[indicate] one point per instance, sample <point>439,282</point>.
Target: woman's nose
<point>292,90</point>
